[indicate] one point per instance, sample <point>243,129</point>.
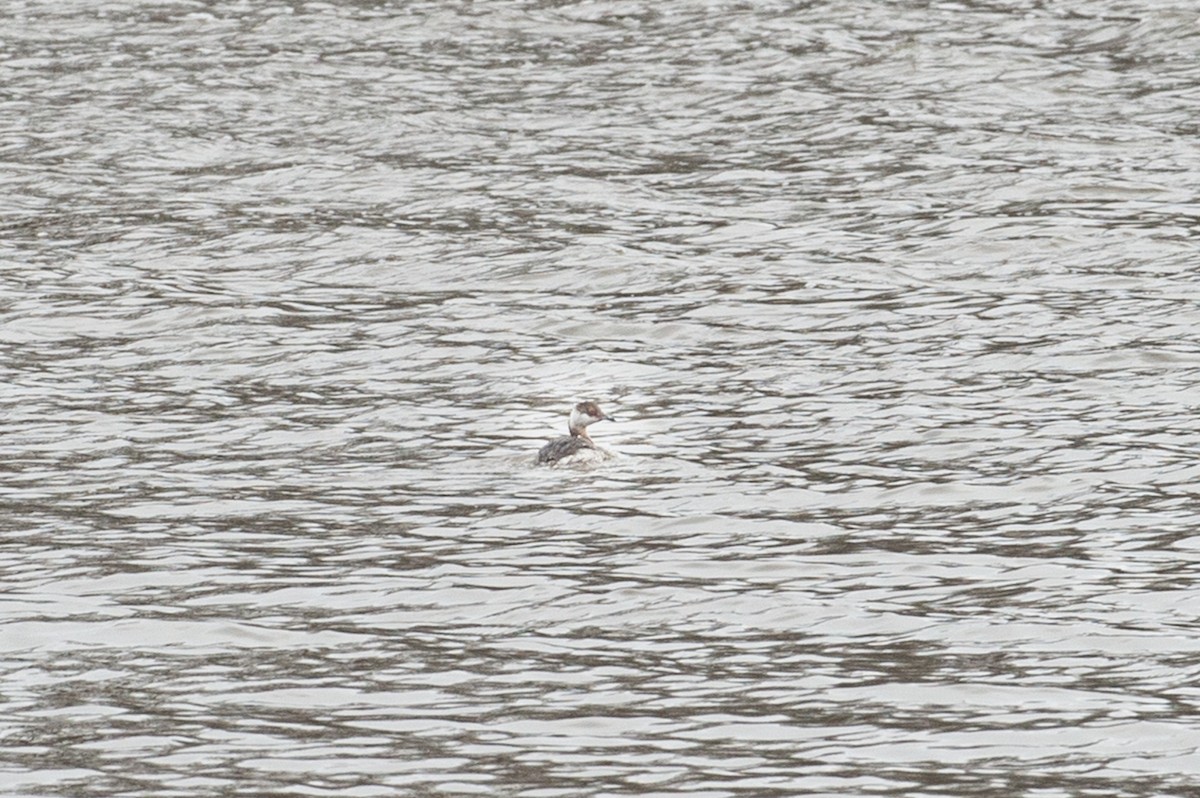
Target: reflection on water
<point>896,305</point>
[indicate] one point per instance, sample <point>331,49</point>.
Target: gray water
<point>895,303</point>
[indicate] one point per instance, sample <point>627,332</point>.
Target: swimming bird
<point>582,415</point>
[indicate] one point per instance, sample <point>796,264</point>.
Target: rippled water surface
<point>896,304</point>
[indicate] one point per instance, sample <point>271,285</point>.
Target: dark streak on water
<point>897,303</point>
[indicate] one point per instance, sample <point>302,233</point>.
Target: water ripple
<point>896,305</point>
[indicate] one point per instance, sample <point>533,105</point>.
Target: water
<point>896,304</point>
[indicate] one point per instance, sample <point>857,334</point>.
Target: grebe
<point>582,415</point>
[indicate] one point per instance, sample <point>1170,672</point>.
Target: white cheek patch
<point>580,419</point>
